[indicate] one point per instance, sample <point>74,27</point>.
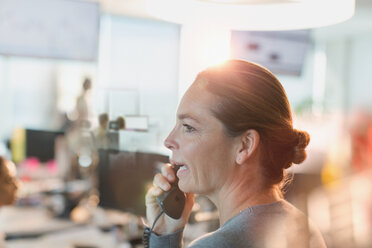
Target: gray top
<point>277,224</point>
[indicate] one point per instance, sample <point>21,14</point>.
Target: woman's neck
<point>240,193</point>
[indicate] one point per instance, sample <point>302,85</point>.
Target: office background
<point>141,67</point>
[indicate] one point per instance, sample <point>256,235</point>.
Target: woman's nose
<point>170,143</point>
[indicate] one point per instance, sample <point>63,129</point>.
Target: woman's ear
<point>248,146</point>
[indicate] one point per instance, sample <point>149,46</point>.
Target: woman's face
<point>199,143</point>
<point>8,183</point>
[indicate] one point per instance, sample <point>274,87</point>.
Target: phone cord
<point>147,232</point>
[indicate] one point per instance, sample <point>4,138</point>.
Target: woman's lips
<point>182,170</point>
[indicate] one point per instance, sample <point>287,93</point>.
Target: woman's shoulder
<point>212,240</point>
<point>237,232</point>
<point>264,225</point>
<point>282,219</point>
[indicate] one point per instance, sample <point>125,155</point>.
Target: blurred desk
<point>29,227</point>
<point>85,237</point>
<point>24,222</point>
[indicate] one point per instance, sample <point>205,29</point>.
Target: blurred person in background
<point>100,133</point>
<point>83,104</point>
<point>8,187</point>
<point>81,143</point>
<point>121,122</point>
<point>233,140</point>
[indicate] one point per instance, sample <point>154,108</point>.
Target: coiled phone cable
<point>147,232</point>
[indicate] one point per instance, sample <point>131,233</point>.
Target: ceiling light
<point>254,14</point>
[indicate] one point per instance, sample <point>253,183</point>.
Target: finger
<point>161,182</point>
<point>168,172</point>
<point>152,193</point>
<point>156,191</point>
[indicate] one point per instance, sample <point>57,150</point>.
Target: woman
<point>234,139</point>
<point>8,187</point>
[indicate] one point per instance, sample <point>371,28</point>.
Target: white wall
<point>139,66</point>
<point>348,80</point>
<point>360,88</point>
<point>349,58</point>
<point>28,94</point>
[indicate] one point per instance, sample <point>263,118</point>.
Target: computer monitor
<point>41,143</point>
<point>124,178</point>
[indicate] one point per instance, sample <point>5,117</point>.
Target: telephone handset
<point>173,201</point>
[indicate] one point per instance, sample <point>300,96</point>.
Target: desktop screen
<point>124,178</point>
<point>40,144</point>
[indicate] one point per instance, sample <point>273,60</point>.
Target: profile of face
<point>199,143</point>
<point>8,182</point>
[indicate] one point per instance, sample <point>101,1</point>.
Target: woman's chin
<point>185,187</point>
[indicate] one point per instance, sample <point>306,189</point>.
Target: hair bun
<point>303,139</point>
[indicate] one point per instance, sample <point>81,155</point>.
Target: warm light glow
<point>215,48</point>
<point>251,15</point>
<point>201,46</point>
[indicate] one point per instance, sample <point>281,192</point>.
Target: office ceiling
<point>360,23</point>
<point>137,8</point>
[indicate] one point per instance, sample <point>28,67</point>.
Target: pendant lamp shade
<point>254,14</point>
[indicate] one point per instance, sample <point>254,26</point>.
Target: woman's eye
<point>188,128</point>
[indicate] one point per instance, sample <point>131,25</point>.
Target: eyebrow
<point>187,116</point>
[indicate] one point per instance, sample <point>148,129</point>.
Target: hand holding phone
<point>172,201</point>
<point>166,197</point>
